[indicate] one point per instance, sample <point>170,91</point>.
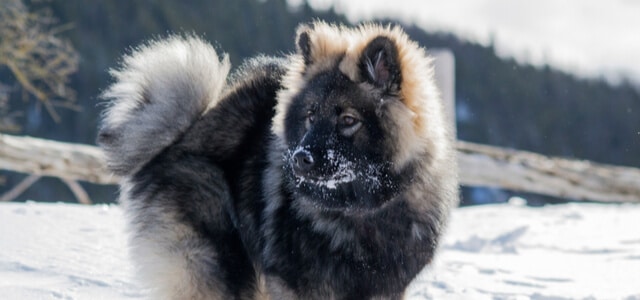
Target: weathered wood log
<point>480,165</point>
<point>50,158</point>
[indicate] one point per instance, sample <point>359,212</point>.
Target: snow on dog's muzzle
<point>328,170</point>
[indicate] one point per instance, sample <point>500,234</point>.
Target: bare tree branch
<point>7,123</point>
<point>39,60</point>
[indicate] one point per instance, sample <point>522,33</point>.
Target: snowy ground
<point>575,251</point>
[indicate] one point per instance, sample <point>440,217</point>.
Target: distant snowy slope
<point>63,251</point>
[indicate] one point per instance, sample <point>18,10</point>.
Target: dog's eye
<point>348,120</point>
<point>310,117</point>
<point>349,124</point>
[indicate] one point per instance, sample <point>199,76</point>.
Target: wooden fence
<point>480,165</point>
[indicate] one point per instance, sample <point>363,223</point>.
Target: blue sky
<point>590,38</point>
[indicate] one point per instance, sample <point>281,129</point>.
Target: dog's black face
<point>336,154</point>
<point>338,151</point>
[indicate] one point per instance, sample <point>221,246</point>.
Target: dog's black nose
<point>302,161</point>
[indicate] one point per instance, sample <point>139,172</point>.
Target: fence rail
<point>480,165</point>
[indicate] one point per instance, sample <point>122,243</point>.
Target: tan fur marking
<point>261,290</point>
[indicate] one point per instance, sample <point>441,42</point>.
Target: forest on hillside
<point>498,101</point>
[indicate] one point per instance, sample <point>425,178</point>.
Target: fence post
<point>445,71</point>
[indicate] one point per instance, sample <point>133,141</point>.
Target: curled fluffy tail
<point>159,91</point>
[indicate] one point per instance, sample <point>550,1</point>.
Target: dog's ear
<point>303,43</point>
<point>379,64</point>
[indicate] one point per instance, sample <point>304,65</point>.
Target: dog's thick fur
<point>327,174</point>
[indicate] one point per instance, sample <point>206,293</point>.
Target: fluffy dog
<point>326,174</point>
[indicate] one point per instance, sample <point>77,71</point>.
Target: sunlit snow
<point>574,251</point>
